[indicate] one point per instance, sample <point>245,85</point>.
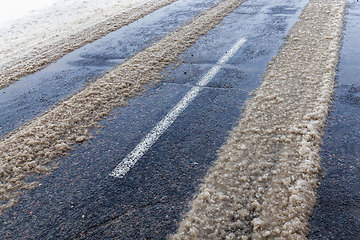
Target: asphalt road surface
<point>337,215</point>
<point>81,198</point>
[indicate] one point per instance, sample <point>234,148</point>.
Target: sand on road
<point>30,148</point>
<point>263,185</point>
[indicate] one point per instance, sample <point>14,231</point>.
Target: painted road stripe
<point>263,184</point>
<point>30,148</point>
<point>131,159</point>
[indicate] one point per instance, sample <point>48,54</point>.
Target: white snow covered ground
<point>44,32</point>
<point>16,9</point>
<point>24,26</point>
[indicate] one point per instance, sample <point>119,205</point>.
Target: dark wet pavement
<point>34,94</point>
<point>80,200</point>
<point>337,215</point>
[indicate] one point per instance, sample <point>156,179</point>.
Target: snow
<point>263,184</point>
<point>16,9</point>
<point>50,29</point>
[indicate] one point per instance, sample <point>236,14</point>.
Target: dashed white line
<point>130,160</point>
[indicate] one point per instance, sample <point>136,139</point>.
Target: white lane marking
<point>130,160</point>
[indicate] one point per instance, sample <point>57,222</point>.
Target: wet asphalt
<point>36,93</point>
<point>79,200</point>
<point>337,215</point>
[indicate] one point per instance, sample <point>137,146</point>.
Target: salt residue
<point>29,44</point>
<point>31,147</point>
<point>263,184</point>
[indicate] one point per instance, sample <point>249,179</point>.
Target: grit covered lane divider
<point>30,148</point>
<point>129,161</point>
<point>263,184</point>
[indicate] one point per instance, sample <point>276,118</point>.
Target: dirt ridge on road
<point>21,62</point>
<point>30,148</point>
<point>263,184</point>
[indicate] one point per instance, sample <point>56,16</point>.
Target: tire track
<point>263,184</point>
<point>30,148</point>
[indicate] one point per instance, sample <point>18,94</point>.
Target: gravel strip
<point>263,184</point>
<point>31,147</point>
<point>34,51</point>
